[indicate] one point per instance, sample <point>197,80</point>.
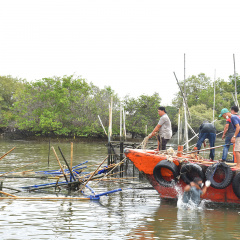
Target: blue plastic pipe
<point>105,193</point>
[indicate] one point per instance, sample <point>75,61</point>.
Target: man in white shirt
<point>164,128</point>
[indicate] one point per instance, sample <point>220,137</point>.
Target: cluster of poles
<point>68,177</point>
<point>187,115</point>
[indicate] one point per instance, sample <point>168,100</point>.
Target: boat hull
<point>145,161</point>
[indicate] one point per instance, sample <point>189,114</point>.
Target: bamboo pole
<point>102,175</point>
<point>71,156</point>
<point>205,149</point>
<point>123,181</point>
<point>179,117</point>
<point>7,194</point>
<point>14,189</point>
<point>67,164</point>
<point>214,95</point>
<point>184,99</point>
<point>49,148</point>
<point>113,169</point>
<point>18,168</point>
<point>121,178</point>
<point>193,132</point>
<point>99,175</point>
<point>60,164</point>
<point>124,125</point>
<point>85,175</point>
<point>110,121</point>
<point>201,161</point>
<point>93,174</point>
<point>45,198</point>
<point>185,105</point>
<point>120,122</point>
<point>102,125</point>
<point>236,100</point>
<point>6,153</point>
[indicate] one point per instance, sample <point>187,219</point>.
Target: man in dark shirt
<point>207,130</point>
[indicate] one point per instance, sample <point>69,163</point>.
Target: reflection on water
<point>170,222</point>
<point>134,213</point>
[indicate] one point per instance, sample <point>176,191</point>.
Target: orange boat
<point>170,173</point>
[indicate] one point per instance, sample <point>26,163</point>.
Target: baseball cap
<point>224,110</point>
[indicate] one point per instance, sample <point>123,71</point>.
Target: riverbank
<point>29,136</point>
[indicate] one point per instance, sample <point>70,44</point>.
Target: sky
<point>134,46</point>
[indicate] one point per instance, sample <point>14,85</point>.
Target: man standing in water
<point>195,190</point>
<point>236,137</point>
<point>164,128</point>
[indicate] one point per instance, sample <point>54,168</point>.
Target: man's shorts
<point>237,145</point>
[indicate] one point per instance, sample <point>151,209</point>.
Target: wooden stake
<point>60,164</point>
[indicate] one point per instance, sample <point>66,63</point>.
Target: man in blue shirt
<point>236,137</point>
<point>228,133</point>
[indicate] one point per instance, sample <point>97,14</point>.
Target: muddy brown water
<point>137,212</point>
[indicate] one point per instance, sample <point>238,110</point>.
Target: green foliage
<point>195,86</point>
<point>8,87</point>
<point>200,91</point>
<point>62,106</point>
<point>172,113</point>
<point>69,106</point>
<point>141,112</point>
<point>200,99</point>
<point>200,113</point>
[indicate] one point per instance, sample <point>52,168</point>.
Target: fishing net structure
<point>144,143</point>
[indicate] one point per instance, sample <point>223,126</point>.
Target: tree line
<point>200,98</point>
<point>69,106</point>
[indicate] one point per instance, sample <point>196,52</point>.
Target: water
<point>135,213</point>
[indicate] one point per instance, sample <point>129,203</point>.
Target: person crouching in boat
<point>164,128</point>
<point>236,137</point>
<point>195,190</point>
<point>207,130</point>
